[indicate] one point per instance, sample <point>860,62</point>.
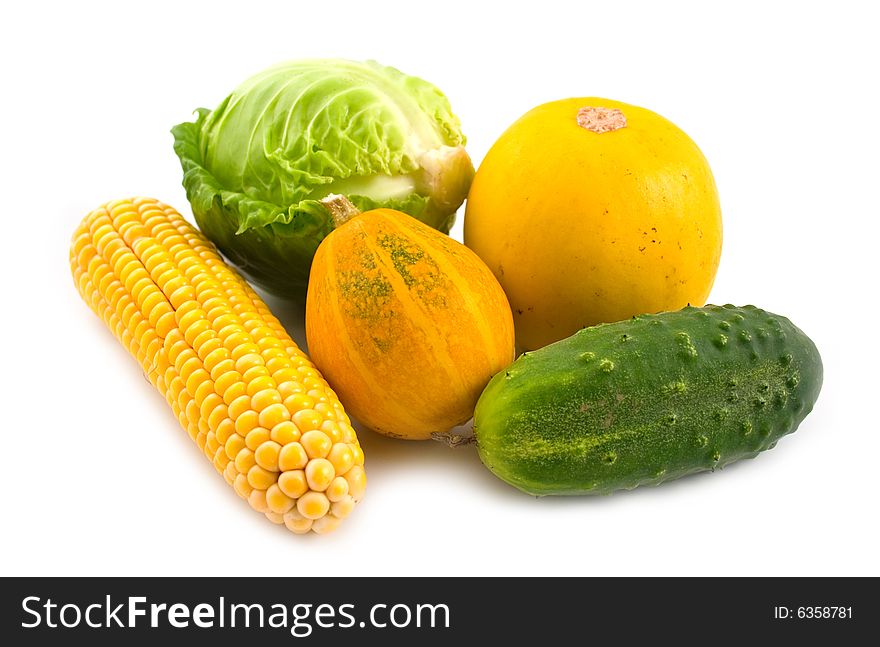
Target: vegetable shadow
<point>386,455</point>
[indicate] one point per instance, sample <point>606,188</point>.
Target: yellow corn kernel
<point>209,400</point>
<point>192,413</point>
<point>244,460</point>
<point>341,457</point>
<point>292,456</point>
<point>220,315</point>
<point>222,370</point>
<point>223,429</point>
<point>266,455</point>
<point>164,324</point>
<point>234,444</point>
<point>214,359</point>
<point>220,455</point>
<point>190,316</point>
<point>237,383</point>
<point>257,379</point>
<point>326,411</point>
<point>290,373</point>
<point>233,337</point>
<point>277,500</point>
<point>257,499</point>
<point>316,389</point>
<point>218,418</point>
<point>242,487</point>
<point>313,505</point>
<point>187,363</point>
<point>274,362</point>
<point>261,479</point>
<point>316,443</point>
<point>260,332</point>
<point>333,430</point>
<point>297,401</point>
<point>207,343</point>
<point>195,331</point>
<point>246,348</point>
<point>256,437</point>
<point>248,361</point>
<point>287,388</point>
<point>348,434</point>
<point>343,507</point>
<point>238,406</point>
<point>357,482</point>
<point>293,483</point>
<point>211,444</point>
<point>307,419</point>
<point>181,295</point>
<point>274,517</point>
<point>337,489</point>
<point>224,382</point>
<point>285,432</point>
<point>325,524</point>
<point>195,381</point>
<point>234,391</point>
<point>319,474</point>
<point>265,398</point>
<point>306,372</point>
<point>297,523</point>
<point>262,389</point>
<point>273,414</point>
<point>246,421</point>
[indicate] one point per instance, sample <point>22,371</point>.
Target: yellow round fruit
<point>589,210</point>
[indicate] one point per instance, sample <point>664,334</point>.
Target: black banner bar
<point>429,611</point>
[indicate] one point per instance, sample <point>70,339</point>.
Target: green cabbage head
<point>256,167</point>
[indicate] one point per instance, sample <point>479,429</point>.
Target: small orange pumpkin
<point>406,324</point>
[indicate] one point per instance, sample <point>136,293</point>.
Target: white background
<point>782,98</point>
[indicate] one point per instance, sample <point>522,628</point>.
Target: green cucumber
<point>647,400</point>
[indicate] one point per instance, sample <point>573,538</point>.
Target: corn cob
<point>238,384</point>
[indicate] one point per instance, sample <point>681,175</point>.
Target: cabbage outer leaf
<point>256,167</point>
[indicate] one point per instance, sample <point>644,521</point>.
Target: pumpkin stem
<point>453,440</point>
<point>341,209</point>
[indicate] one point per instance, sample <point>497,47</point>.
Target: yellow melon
<point>589,210</point>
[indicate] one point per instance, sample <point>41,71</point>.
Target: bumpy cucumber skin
<point>647,400</point>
